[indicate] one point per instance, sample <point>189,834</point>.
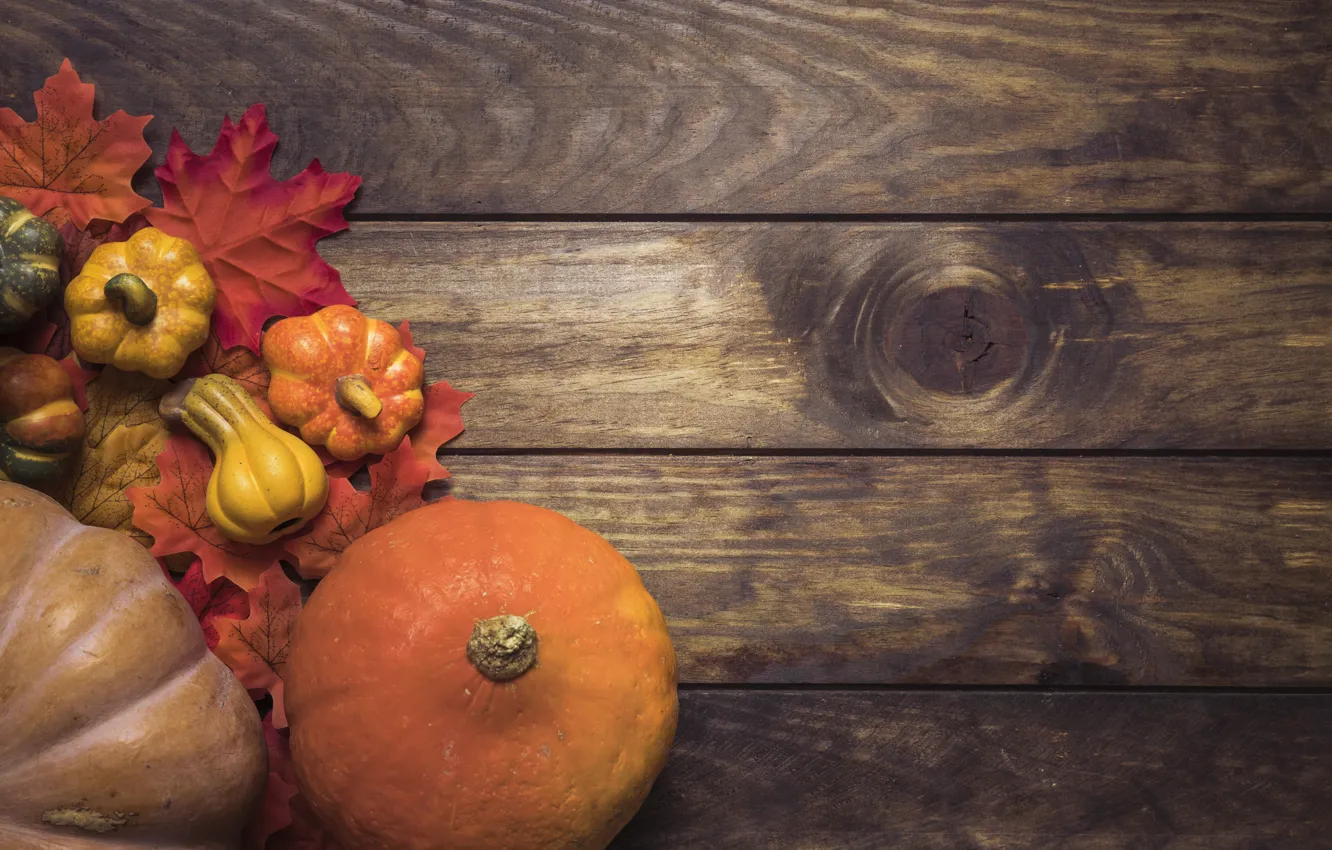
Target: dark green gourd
<point>30,252</point>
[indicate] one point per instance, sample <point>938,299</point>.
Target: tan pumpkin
<point>118,728</point>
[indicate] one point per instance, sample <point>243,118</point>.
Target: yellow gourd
<point>265,482</point>
<point>141,305</point>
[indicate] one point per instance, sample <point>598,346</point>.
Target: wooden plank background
<point>816,335</point>
<point>955,372</point>
<point>865,771</point>
<point>946,570</point>
<point>741,106</point>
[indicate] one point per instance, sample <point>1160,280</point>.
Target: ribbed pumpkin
<point>43,426</point>
<point>141,305</point>
<point>345,380</point>
<point>480,675</point>
<point>30,252</point>
<point>118,728</point>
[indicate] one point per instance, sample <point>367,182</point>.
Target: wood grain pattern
<point>943,771</point>
<point>955,570</point>
<point>784,335</point>
<point>661,106</point>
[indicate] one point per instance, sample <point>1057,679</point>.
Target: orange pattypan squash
<point>345,380</point>
<point>141,305</point>
<point>480,675</point>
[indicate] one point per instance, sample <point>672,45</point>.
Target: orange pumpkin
<point>344,380</point>
<point>480,675</point>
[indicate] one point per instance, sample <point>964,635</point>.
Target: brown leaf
<point>121,398</point>
<point>124,435</point>
<point>127,457</point>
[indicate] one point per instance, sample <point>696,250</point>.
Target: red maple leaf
<point>79,377</point>
<point>283,820</point>
<point>396,482</point>
<point>274,811</point>
<point>405,334</point>
<point>67,158</point>
<point>256,235</point>
<point>256,648</point>
<point>46,333</point>
<point>442,420</point>
<point>240,363</point>
<point>174,513</point>
<point>210,600</point>
<point>341,468</point>
<point>81,241</point>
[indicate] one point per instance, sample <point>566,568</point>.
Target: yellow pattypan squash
<point>141,305</point>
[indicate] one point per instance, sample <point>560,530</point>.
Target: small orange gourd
<point>480,675</point>
<point>42,425</point>
<point>345,380</point>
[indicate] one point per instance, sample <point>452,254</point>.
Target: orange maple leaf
<point>256,648</point>
<point>396,482</point>
<point>442,420</point>
<point>174,513</point>
<point>256,235</point>
<point>240,363</point>
<point>67,158</point>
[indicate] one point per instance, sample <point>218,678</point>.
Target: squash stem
<point>355,394</point>
<point>503,648</point>
<point>133,297</point>
<point>171,407</point>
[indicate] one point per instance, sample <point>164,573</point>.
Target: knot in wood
<point>959,340</point>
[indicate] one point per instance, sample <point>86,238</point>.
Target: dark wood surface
<point>669,106</point>
<point>860,240</point>
<point>1092,771</point>
<point>814,335</point>
<point>945,570</point>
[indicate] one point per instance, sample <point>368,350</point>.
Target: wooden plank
<point>957,570</point>
<point>1091,771</point>
<point>666,106</point>
<point>785,335</point>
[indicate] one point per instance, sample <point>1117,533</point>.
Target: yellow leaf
<point>124,436</point>
<point>118,398</point>
<point>126,458</point>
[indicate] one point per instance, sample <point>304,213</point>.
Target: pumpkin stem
<point>171,407</point>
<point>503,648</point>
<point>355,394</point>
<point>133,297</point>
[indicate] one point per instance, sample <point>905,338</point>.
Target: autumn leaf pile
<point>257,236</point>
